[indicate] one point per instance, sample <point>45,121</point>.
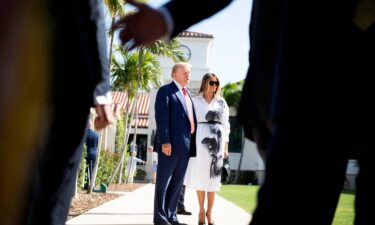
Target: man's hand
<point>104,118</point>
<point>143,27</point>
<point>166,149</point>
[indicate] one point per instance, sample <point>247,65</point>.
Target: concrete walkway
<point>136,208</point>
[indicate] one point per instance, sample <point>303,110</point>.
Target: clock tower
<point>186,51</point>
<point>196,48</point>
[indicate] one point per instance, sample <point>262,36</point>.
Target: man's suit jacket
<point>172,121</point>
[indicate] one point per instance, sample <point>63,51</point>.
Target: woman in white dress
<point>204,171</point>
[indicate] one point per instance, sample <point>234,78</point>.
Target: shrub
<point>140,175</point>
<point>107,164</point>
<point>119,138</point>
<point>246,177</point>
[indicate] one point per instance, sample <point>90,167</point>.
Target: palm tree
<point>116,8</point>
<point>171,50</point>
<point>143,80</point>
<point>125,77</point>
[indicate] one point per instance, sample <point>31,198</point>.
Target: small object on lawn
<point>103,188</point>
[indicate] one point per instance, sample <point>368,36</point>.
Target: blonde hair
<point>206,82</point>
<point>179,65</point>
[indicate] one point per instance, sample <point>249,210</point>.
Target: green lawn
<point>345,211</point>
<point>245,197</point>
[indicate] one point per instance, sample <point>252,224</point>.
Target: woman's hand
<point>226,153</point>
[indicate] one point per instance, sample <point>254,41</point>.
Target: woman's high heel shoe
<point>208,221</point>
<point>204,220</point>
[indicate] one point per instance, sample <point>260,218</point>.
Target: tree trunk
<point>140,61</point>
<point>123,151</point>
<point>135,135</point>
<point>75,187</point>
<point>111,44</point>
<point>126,131</point>
<point>127,137</point>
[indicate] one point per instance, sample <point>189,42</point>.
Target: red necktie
<point>190,109</point>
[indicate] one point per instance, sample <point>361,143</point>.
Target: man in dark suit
<point>79,79</point>
<point>175,143</point>
<point>300,51</point>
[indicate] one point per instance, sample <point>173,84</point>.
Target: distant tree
<point>125,77</point>
<point>232,93</point>
<point>116,8</point>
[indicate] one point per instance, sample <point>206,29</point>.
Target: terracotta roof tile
<point>194,34</point>
<point>121,99</point>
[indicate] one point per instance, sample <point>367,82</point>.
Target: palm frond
<point>170,50</point>
<point>124,73</point>
<point>115,7</point>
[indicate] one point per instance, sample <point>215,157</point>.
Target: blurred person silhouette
<point>78,79</point>
<point>174,142</point>
<point>204,171</point>
<point>91,141</point>
<point>142,151</point>
<point>133,147</point>
<point>23,87</point>
<point>131,166</point>
<point>317,113</point>
<point>154,166</point>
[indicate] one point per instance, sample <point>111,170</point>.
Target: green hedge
<point>107,164</point>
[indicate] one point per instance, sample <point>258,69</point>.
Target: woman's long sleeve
<point>226,123</point>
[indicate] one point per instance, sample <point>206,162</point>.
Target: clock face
<point>186,52</point>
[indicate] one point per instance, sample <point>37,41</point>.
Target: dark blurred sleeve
<point>188,13</point>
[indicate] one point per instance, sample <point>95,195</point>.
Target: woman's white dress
<point>204,170</point>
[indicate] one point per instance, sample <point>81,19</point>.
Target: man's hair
<point>179,65</point>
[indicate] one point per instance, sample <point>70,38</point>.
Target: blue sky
<point>230,28</point>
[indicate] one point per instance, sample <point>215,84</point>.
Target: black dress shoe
<point>183,212</point>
